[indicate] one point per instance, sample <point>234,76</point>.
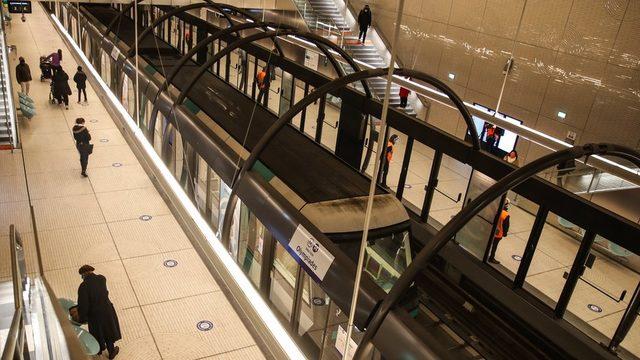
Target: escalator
<point>33,323</point>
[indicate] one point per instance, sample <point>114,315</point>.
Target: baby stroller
<point>45,68</point>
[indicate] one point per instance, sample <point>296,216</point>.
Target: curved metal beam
<point>508,182</point>
<point>207,4</point>
<point>318,93</point>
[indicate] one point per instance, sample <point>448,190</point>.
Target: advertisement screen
<point>504,140</point>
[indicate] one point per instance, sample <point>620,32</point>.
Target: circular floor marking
<point>170,263</point>
<point>516,257</point>
<point>93,121</point>
<point>116,164</point>
<point>407,186</point>
<point>594,308</point>
<point>317,301</point>
<point>204,325</point>
<point>104,140</point>
<point>145,217</point>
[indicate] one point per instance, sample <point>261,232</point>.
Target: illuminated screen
<point>507,140</point>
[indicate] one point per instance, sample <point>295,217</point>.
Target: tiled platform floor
<point>96,221</point>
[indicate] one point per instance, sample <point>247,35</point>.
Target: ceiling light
<point>452,76</point>
<point>562,114</point>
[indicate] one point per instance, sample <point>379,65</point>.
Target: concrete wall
<point>581,57</point>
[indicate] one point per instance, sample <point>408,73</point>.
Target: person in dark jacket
<point>83,138</point>
<point>80,78</point>
<point>388,156</point>
<point>364,21</point>
<point>95,308</point>
<point>61,87</point>
<point>23,76</point>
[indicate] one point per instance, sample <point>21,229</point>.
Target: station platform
<point>168,303</point>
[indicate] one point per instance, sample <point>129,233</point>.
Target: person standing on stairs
<point>404,95</point>
<point>23,76</point>
<point>364,21</point>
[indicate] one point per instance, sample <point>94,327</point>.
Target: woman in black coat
<point>95,308</point>
<point>61,88</point>
<point>23,76</point>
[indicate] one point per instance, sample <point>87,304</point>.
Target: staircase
<point>327,12</point>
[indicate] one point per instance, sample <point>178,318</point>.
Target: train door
<point>284,275</point>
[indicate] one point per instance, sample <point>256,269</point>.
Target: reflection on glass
<point>314,314</point>
<point>387,257</point>
<point>252,239</point>
<point>283,281</point>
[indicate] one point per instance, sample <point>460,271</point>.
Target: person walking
<point>502,229</point>
<point>56,60</point>
<point>364,21</point>
<point>95,308</point>
<point>404,95</point>
<point>80,78</point>
<point>388,156</point>
<point>264,81</point>
<point>242,69</point>
<point>83,144</point>
<point>23,75</point>
<point>61,87</point>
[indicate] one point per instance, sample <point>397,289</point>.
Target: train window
<point>200,185</point>
<point>284,273</point>
<point>158,131</point>
<point>179,156</point>
<point>213,200</point>
<point>105,67</point>
<point>387,257</point>
<point>313,316</point>
<point>252,240</point>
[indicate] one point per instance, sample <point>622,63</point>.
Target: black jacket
<point>23,73</point>
<point>364,18</point>
<point>81,134</point>
<point>61,83</point>
<point>95,308</point>
<point>80,79</point>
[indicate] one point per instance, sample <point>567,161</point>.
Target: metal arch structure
<point>205,4</point>
<point>176,68</point>
<point>335,85</point>
<point>117,18</point>
<point>316,39</point>
<point>508,182</point>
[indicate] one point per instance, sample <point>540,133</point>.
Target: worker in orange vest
<point>263,80</point>
<point>388,155</point>
<point>502,229</point>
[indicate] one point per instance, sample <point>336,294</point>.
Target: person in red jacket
<point>404,94</point>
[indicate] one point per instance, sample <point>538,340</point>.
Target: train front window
<point>387,257</point>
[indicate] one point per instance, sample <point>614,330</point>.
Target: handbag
<point>85,148</point>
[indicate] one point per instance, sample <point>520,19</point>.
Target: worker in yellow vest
<point>388,155</point>
<point>502,229</point>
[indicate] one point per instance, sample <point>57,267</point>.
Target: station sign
<point>310,254</point>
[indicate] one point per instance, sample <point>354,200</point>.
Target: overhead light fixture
<point>452,76</point>
<point>562,114</point>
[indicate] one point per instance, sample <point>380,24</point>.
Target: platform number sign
<point>19,6</point>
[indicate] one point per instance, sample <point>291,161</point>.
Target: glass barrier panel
<point>556,251</point>
<point>252,239</point>
<point>313,317</point>
<point>605,290</point>
<point>331,122</point>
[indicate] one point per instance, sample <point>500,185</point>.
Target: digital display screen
<point>19,7</point>
<point>506,140</point>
